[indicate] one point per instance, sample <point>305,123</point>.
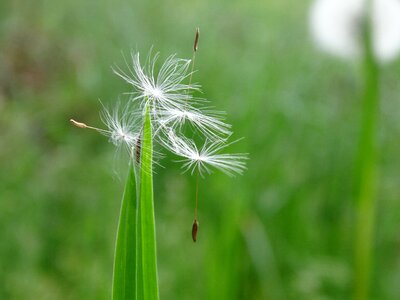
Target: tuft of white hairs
<point>209,156</point>
<point>166,88</point>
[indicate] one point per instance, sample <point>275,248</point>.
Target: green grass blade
<point>366,172</point>
<point>147,262</point>
<point>124,277</point>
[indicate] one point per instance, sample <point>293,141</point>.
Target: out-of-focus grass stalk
<point>366,168</point>
<point>224,262</point>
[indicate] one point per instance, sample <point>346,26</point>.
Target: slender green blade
<point>124,277</point>
<point>147,259</point>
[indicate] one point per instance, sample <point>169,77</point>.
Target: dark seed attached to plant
<point>196,40</point>
<point>138,149</point>
<point>195,228</point>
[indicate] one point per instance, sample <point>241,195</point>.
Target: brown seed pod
<point>138,149</point>
<point>78,124</point>
<point>195,227</point>
<point>196,40</point>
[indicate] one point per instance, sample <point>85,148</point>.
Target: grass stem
<point>366,172</point>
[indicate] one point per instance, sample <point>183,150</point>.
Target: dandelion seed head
<point>123,126</point>
<point>165,88</point>
<point>153,92</point>
<point>208,157</point>
<point>119,136</point>
<point>208,122</point>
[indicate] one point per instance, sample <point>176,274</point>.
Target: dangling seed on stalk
<point>195,225</point>
<point>195,228</point>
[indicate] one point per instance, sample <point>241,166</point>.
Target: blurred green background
<point>284,230</point>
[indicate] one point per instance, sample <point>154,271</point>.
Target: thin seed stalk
<point>366,172</point>
<point>197,196</point>
<point>195,226</point>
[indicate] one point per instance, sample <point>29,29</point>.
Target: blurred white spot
<point>387,29</point>
<point>336,26</point>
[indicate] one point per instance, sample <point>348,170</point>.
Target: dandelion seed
<point>122,127</point>
<point>207,122</point>
<point>206,158</point>
<point>165,89</point>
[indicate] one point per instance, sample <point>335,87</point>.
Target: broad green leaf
<point>147,259</point>
<point>124,277</point>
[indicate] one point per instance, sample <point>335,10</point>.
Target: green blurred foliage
<point>284,230</point>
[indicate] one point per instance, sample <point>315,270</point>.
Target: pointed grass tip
<point>196,40</point>
<point>195,228</point>
<point>78,124</point>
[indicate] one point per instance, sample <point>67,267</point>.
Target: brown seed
<point>196,40</point>
<point>195,227</point>
<point>138,149</point>
<point>78,124</point>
